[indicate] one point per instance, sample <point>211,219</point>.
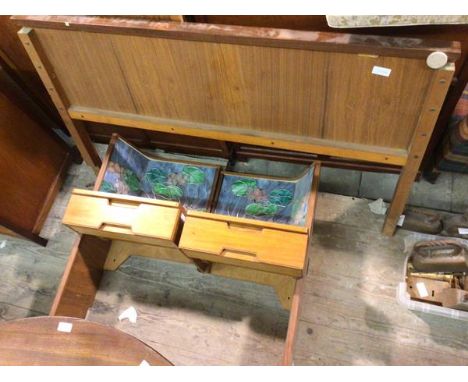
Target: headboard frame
<point>357,97</point>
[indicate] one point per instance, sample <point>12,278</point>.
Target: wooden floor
<point>350,314</point>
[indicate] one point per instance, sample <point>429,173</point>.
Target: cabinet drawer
<point>270,231</point>
<point>243,242</point>
<point>123,217</point>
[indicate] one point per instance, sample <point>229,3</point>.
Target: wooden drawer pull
<point>119,215</point>
<point>228,252</point>
<point>243,227</point>
<point>106,226</point>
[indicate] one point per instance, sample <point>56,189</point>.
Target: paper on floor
<point>378,207</point>
<point>130,314</point>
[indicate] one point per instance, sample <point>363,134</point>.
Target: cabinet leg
<point>81,278</point>
<point>283,285</point>
<point>400,197</point>
<point>121,250</point>
<point>115,258</point>
<point>285,292</point>
<point>293,323</point>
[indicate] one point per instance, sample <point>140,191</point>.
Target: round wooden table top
<point>53,341</point>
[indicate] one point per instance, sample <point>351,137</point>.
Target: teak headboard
<point>311,92</point>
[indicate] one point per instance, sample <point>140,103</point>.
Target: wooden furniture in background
<point>15,61</point>
<point>266,87</point>
<point>33,163</point>
<point>38,342</point>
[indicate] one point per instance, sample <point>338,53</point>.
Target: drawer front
<point>123,217</point>
<point>223,239</point>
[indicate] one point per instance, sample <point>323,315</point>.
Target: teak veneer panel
<point>374,110</point>
<point>300,93</point>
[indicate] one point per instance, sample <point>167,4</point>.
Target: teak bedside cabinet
<point>353,97</point>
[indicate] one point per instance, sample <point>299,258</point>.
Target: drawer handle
<point>105,225</point>
<point>122,204</point>
<point>243,227</point>
<point>237,252</point>
<point>120,215</point>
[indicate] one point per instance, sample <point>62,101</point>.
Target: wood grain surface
<point>121,250</point>
<point>326,41</point>
<point>421,136</point>
<point>81,277</point>
<point>377,154</point>
<point>59,98</point>
<point>310,93</point>
<point>258,247</point>
<point>123,217</point>
<point>38,342</point>
<point>32,170</point>
<point>15,59</point>
<point>303,91</point>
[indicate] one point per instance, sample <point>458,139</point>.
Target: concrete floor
<point>350,315</point>
<point>449,193</point>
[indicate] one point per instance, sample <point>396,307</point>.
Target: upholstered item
<point>392,20</point>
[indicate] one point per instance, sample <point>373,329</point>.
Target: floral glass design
<point>271,199</point>
<point>130,172</point>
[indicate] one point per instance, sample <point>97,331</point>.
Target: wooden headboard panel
<point>312,92</point>
<point>287,89</point>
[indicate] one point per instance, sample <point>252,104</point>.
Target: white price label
<point>422,290</point>
<point>400,221</point>
<point>65,327</point>
<point>381,71</point>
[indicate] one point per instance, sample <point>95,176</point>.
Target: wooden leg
<point>115,260</point>
<point>422,134</point>
<point>283,285</point>
<point>285,292</point>
<point>120,251</point>
<point>44,69</point>
<point>293,323</point>
<point>81,278</point>
<point>400,197</point>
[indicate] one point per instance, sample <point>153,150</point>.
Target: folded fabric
<point>337,21</point>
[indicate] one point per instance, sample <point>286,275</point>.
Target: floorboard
<point>350,315</point>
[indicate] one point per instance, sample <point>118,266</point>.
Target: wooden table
<point>37,341</point>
